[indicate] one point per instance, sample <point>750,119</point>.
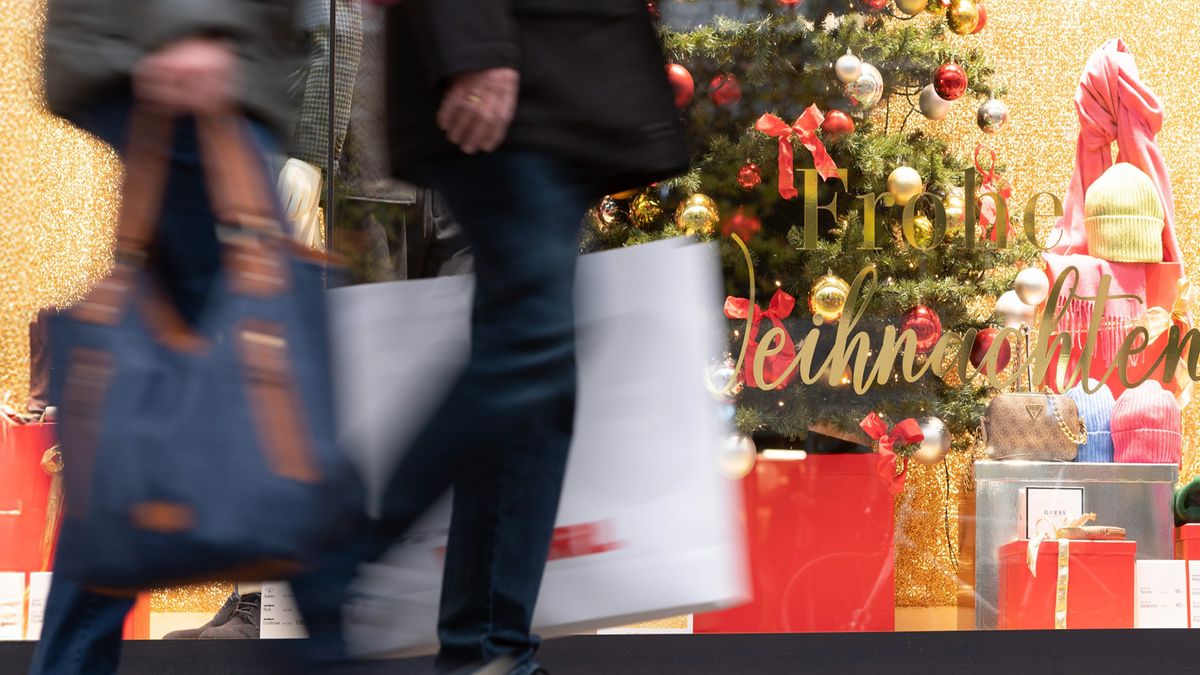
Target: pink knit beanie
<point>1147,427</point>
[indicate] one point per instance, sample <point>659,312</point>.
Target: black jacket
<point>593,85</point>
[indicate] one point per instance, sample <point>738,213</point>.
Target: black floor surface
<point>1137,652</point>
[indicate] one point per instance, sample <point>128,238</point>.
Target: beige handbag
<point>1037,427</point>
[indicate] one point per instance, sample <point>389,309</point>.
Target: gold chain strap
<point>1077,439</point>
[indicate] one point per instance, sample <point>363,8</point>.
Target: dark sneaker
<point>243,625</point>
<point>222,616</point>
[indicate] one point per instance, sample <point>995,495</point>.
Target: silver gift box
<point>1137,497</point>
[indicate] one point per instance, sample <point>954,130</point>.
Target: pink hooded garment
<point>1113,105</point>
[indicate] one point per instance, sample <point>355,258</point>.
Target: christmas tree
<point>872,72</point>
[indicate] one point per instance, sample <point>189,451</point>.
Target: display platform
<point>978,653</point>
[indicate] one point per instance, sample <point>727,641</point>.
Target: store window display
<point>389,230</point>
<point>910,97</point>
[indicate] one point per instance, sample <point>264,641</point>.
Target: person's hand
<point>478,107</point>
<point>193,75</point>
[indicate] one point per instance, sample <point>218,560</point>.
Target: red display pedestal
<point>1100,586</point>
<point>820,540</point>
<point>1187,542</point>
<point>137,622</point>
<point>24,489</point>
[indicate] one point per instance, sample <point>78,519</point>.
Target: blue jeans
<point>81,632</point>
<point>501,436</point>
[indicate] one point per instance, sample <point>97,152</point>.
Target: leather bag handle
<point>237,191</point>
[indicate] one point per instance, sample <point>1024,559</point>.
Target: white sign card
<point>1161,594</point>
<point>1194,590</point>
<point>281,618</point>
<point>1053,505</point>
<point>12,605</point>
<point>39,588</point>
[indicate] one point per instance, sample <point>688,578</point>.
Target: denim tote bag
<point>209,450</point>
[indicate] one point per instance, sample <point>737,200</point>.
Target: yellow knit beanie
<point>1123,215</point>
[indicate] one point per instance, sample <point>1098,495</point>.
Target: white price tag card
<point>39,588</point>
<point>1194,590</point>
<point>1161,594</point>
<point>281,618</point>
<point>12,605</point>
<point>1054,505</point>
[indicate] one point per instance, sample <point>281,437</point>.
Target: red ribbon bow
<point>805,129</point>
<point>779,308</point>
<point>992,181</point>
<point>908,431</point>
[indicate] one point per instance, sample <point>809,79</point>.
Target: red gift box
<point>24,491</point>
<point>1100,585</point>
<point>820,536</point>
<point>1187,542</point>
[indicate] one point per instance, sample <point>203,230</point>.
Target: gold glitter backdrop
<point>57,200</point>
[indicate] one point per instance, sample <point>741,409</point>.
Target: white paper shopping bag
<point>648,526</point>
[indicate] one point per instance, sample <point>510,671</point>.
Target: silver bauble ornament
<point>1014,312</point>
<point>610,213</point>
<point>992,116</point>
<point>1032,286</point>
<point>932,106</point>
<point>867,89</point>
<point>936,444</point>
<point>848,67</point>
<point>725,381</point>
<point>737,455</point>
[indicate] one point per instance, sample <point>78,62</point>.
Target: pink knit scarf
<point>1113,105</point>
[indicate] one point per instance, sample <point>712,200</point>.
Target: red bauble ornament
<point>681,83</point>
<point>652,7</point>
<point>926,324</point>
<point>982,18</point>
<point>725,89</point>
<point>983,343</point>
<point>950,81</point>
<point>741,223</point>
<point>749,176</point>
<point>789,3</point>
<point>874,5</point>
<point>837,123</point>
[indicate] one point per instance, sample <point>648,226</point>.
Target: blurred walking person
<point>185,60</point>
<point>522,114</point>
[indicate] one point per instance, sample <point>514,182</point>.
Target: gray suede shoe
<point>219,619</point>
<point>243,624</point>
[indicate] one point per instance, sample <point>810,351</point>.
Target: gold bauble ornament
<point>912,7</point>
<point>697,215</point>
<point>828,298</point>
<point>956,210</point>
<point>936,444</point>
<point>923,231</point>
<point>963,16</point>
<point>905,183</point>
<point>937,7</point>
<point>644,211</point>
